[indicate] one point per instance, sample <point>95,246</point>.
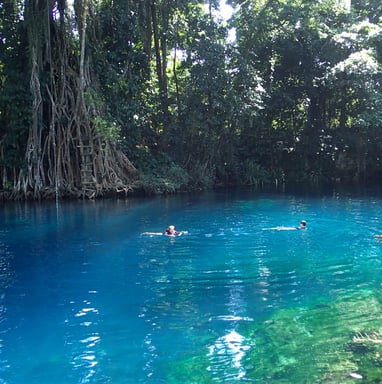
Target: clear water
<point>86,298</point>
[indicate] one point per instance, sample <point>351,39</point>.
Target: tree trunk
<point>64,155</point>
<point>160,46</point>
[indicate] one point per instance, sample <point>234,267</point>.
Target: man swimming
<point>301,226</point>
<point>170,231</point>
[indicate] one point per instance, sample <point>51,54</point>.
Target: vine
<point>63,123</point>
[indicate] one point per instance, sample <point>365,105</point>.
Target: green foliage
<point>202,175</point>
<point>159,174</point>
<point>295,47</point>
<point>295,97</point>
<point>106,130</point>
<point>15,98</point>
<point>173,179</point>
<point>254,174</point>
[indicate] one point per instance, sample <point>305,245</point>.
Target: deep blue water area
<point>87,297</point>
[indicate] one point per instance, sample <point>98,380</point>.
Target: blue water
<point>86,298</point>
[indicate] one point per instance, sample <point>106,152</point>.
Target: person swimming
<point>301,226</point>
<point>170,231</point>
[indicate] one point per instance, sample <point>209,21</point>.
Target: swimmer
<point>170,231</point>
<point>301,226</point>
<point>379,237</point>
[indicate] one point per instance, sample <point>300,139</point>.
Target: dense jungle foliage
<point>161,96</point>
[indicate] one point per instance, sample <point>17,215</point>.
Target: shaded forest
<point>160,96</point>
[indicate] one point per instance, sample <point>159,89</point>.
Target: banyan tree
<point>70,148</point>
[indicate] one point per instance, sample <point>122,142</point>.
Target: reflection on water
<point>85,298</point>
<point>7,280</point>
<point>226,354</point>
<point>83,339</point>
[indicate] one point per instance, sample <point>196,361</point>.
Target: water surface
<point>86,298</point>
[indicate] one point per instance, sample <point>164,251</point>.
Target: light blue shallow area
<point>86,298</point>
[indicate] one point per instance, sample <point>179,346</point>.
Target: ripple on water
<point>87,298</point>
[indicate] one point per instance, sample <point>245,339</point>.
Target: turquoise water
<point>86,298</point>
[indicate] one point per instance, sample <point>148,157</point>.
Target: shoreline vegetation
<point>163,187</point>
<point>154,97</point>
<point>138,190</point>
